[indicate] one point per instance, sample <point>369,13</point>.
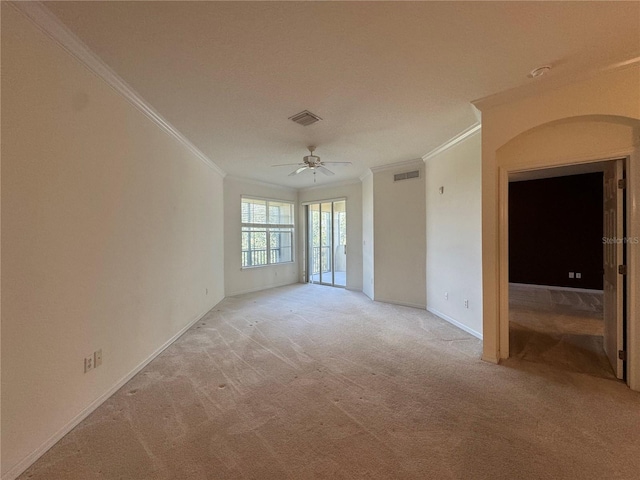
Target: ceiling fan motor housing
<point>312,160</point>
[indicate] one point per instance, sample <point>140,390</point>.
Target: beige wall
<point>588,120</point>
<point>454,234</point>
<point>573,138</point>
<point>400,236</point>
<point>353,194</point>
<point>111,239</point>
<point>367,236</point>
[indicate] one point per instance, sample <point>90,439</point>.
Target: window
<point>267,232</point>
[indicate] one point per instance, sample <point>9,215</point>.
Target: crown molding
<point>342,183</point>
<point>551,83</point>
<point>472,130</point>
<point>261,183</point>
<point>51,25</point>
<point>365,175</point>
<point>415,162</point>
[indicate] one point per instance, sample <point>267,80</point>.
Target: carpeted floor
<point>312,382</point>
<point>562,328</point>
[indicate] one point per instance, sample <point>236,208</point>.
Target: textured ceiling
<point>391,80</point>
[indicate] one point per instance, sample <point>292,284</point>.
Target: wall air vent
<point>407,175</point>
<point>305,118</point>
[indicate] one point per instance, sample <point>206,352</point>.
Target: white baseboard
<point>461,326</point>
<point>258,289</point>
<point>403,304</point>
<point>30,459</point>
<point>553,287</point>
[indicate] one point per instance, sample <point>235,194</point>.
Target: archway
<point>563,143</point>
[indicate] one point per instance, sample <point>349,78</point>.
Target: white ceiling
<point>391,80</point>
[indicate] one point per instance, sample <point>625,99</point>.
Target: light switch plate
<point>97,358</point>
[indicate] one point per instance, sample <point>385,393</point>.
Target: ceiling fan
<point>312,162</point>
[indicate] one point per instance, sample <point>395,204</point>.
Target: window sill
<point>267,265</point>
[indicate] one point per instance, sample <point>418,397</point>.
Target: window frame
<point>268,229</point>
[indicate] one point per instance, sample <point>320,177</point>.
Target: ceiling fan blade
<point>297,171</point>
<point>336,163</point>
<point>286,164</point>
<point>326,171</point>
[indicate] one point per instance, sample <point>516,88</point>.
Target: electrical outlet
<point>97,358</point>
<point>466,303</point>
<point>571,275</point>
<point>446,295</point>
<point>578,275</point>
<point>88,364</point>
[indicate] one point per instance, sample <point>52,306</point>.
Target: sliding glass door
<point>327,243</point>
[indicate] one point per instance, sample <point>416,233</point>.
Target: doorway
<point>327,243</point>
<point>566,295</point>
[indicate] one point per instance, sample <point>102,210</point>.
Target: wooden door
<point>613,258</point>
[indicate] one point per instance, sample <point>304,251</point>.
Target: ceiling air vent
<point>405,176</point>
<point>305,118</point>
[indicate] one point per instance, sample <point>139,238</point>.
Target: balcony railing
<point>257,257</point>
<point>320,257</point>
